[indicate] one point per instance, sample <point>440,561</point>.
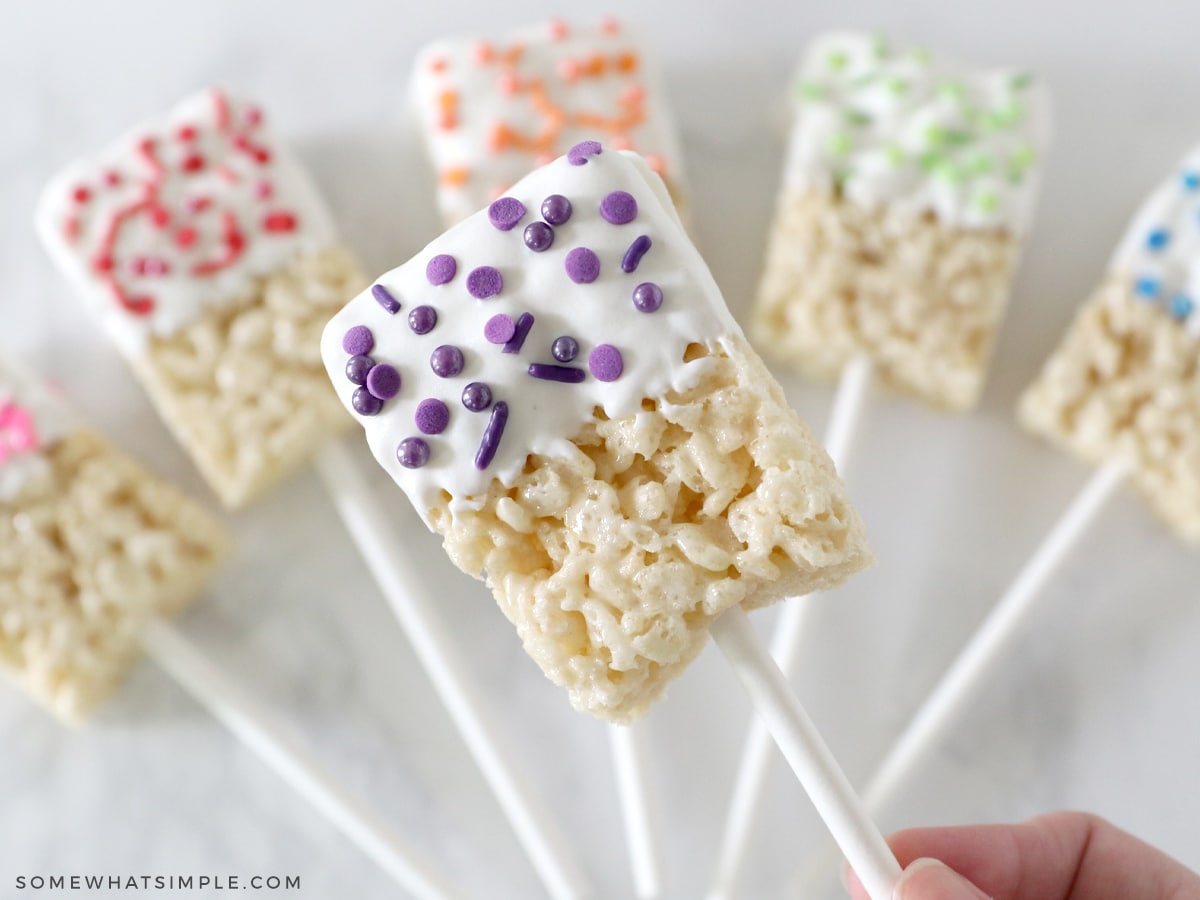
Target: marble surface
<point>1094,707</point>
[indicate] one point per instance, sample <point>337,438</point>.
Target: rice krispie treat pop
<point>206,253</point>
<point>909,184</point>
<point>491,110</point>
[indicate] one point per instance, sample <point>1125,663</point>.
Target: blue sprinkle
<point>1148,288</point>
<point>1158,239</point>
<point>1181,306</point>
<point>1191,181</point>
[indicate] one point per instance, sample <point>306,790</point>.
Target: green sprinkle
<point>810,90</point>
<point>948,172</point>
<point>980,164</point>
<point>836,60</point>
<point>1005,116</point>
<point>1022,157</point>
<point>935,134</point>
<point>1020,81</point>
<point>987,202</point>
<point>930,160</point>
<point>880,46</point>
<point>955,137</point>
<point>897,85</point>
<point>952,89</point>
<point>861,81</point>
<point>922,55</point>
<point>895,155</point>
<point>840,143</point>
<point>857,117</point>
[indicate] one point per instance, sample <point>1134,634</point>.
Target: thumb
<point>928,879</point>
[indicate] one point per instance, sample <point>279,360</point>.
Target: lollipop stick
<point>405,583</point>
<point>749,786</point>
<point>641,828</point>
<point>819,773</point>
<point>180,659</point>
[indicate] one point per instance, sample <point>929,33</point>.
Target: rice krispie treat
<point>491,110</point>
<point>1124,382</point>
<point>908,186</point>
<point>208,256</point>
<point>558,387</point>
<point>92,546</point>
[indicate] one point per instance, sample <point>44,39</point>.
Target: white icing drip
<point>918,132</point>
<point>232,179</point>
<point>483,103</point>
<point>50,419</point>
<point>543,415</point>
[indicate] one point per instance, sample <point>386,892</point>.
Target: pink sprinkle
<point>17,434</point>
<point>499,329</point>
<point>557,29</point>
<point>481,52</point>
<point>569,69</point>
<point>253,115</point>
<point>149,265</point>
<point>264,190</point>
<point>112,177</point>
<point>632,94</point>
<point>610,25</point>
<point>197,204</point>
<point>507,83</point>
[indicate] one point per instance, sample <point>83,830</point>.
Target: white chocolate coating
<point>31,419</point>
<point>178,214</point>
<point>543,415</point>
<point>918,132</point>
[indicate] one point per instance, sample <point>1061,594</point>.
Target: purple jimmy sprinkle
<point>578,155</point>
<point>505,213</point>
<point>484,282</point>
<point>491,436</point>
<point>447,361</point>
<point>556,209</point>
<point>432,416</point>
<point>364,403</point>
<point>605,363</point>
<point>412,453</point>
<point>538,236</point>
<point>422,319</point>
<point>583,266</point>
<point>633,256</point>
<point>385,299</point>
<point>357,368</point>
<point>383,381</point>
<point>619,208</point>
<point>517,341</point>
<point>647,297</point>
<point>499,329</point>
<point>565,374</point>
<point>441,269</point>
<point>358,340</point>
<point>477,396</point>
<point>565,348</point>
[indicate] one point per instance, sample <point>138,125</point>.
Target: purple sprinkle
<point>358,340</point>
<point>484,282</point>
<point>647,297</point>
<point>412,453</point>
<point>606,363</point>
<point>447,361</point>
<point>633,256</point>
<point>491,436</point>
<point>441,269</point>
<point>499,329</point>
<point>384,298</point>
<point>383,381</point>
<point>506,212</point>
<point>619,208</point>
<point>422,319</point>
<point>477,396</point>
<point>565,374</point>
<point>364,403</point>
<point>517,341</point>
<point>556,209</point>
<point>538,236</point>
<point>432,416</point>
<point>578,155</point>
<point>583,266</point>
<point>357,368</point>
<point>565,348</point>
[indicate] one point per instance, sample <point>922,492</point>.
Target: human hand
<point>1061,856</point>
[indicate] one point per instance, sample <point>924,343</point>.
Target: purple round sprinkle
<point>358,340</point>
<point>484,282</point>
<point>538,236</point>
<point>583,266</point>
<point>447,361</point>
<point>432,417</point>
<point>605,363</point>
<point>633,256</point>
<point>364,403</point>
<point>441,269</point>
<point>578,155</point>
<point>477,396</point>
<point>647,297</point>
<point>499,329</point>
<point>556,209</point>
<point>385,299</point>
<point>619,208</point>
<point>412,453</point>
<point>357,368</point>
<point>506,212</point>
<point>383,381</point>
<point>565,348</point>
<point>422,319</point>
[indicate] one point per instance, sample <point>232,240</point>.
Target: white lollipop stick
<point>839,807</point>
<point>180,659</point>
<point>405,583</point>
<point>642,834</point>
<point>749,786</point>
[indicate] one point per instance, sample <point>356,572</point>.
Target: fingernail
<point>929,879</point>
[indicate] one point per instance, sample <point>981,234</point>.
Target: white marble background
<point>1096,707</point>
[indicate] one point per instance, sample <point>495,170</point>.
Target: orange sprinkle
<point>448,100</point>
<point>438,64</point>
<point>448,121</point>
<point>482,52</point>
<point>596,65</point>
<point>557,29</point>
<point>627,62</point>
<point>513,54</point>
<point>456,176</point>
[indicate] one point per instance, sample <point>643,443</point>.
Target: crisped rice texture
<point>89,553</point>
<point>922,299</point>
<point>243,388</point>
<point>1124,383</point>
<point>614,563</point>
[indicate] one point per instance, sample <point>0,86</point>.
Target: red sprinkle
<point>82,194</point>
<point>103,263</point>
<point>186,133</point>
<point>279,221</point>
<point>185,237</point>
<point>193,162</point>
<point>160,216</point>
